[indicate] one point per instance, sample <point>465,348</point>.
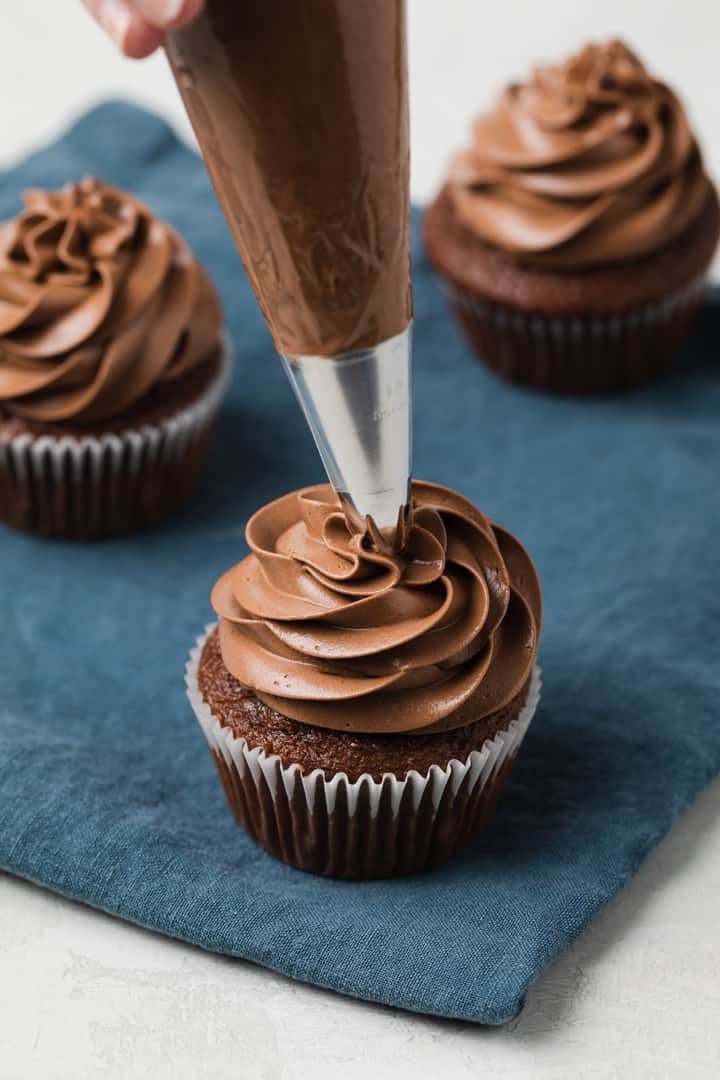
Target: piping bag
<point>300,108</point>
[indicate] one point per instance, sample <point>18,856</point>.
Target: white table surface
<point>83,995</point>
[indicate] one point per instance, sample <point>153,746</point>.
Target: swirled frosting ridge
<point>338,630</point>
<point>589,162</point>
<point>99,302</point>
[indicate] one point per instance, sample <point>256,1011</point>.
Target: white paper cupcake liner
<point>364,828</point>
<point>593,354</point>
<point>95,486</point>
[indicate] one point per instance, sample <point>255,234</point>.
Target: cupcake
<point>364,707</point>
<point>575,233</point>
<point>112,364</point>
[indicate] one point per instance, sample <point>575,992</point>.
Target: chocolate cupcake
<point>364,707</point>
<point>112,365</point>
<point>575,233</point>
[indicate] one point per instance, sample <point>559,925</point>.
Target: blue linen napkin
<point>107,792</point>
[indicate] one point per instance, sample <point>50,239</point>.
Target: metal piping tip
<point>359,408</point>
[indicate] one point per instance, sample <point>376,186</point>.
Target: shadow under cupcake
<point>574,236</point>
<point>363,706</point>
<point>112,365</point>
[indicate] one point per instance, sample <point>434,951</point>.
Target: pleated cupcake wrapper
<point>92,486</point>
<point>579,354</point>
<point>364,828</point>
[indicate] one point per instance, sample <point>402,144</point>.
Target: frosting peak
<point>99,301</point>
<point>334,629</point>
<point>589,162</point>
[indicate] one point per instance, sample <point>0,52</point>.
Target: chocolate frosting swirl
<point>589,162</point>
<point>337,630</point>
<point>99,302</point>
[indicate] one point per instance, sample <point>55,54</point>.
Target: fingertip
<point>170,14</point>
<point>140,39</point>
<point>134,36</point>
<point>189,11</point>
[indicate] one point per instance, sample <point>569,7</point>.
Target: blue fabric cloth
<point>107,792</point>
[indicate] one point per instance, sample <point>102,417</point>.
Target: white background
<point>83,995</point>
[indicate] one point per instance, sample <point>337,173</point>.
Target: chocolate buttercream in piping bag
<point>301,112</point>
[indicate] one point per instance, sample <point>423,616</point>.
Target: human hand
<point>138,26</point>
